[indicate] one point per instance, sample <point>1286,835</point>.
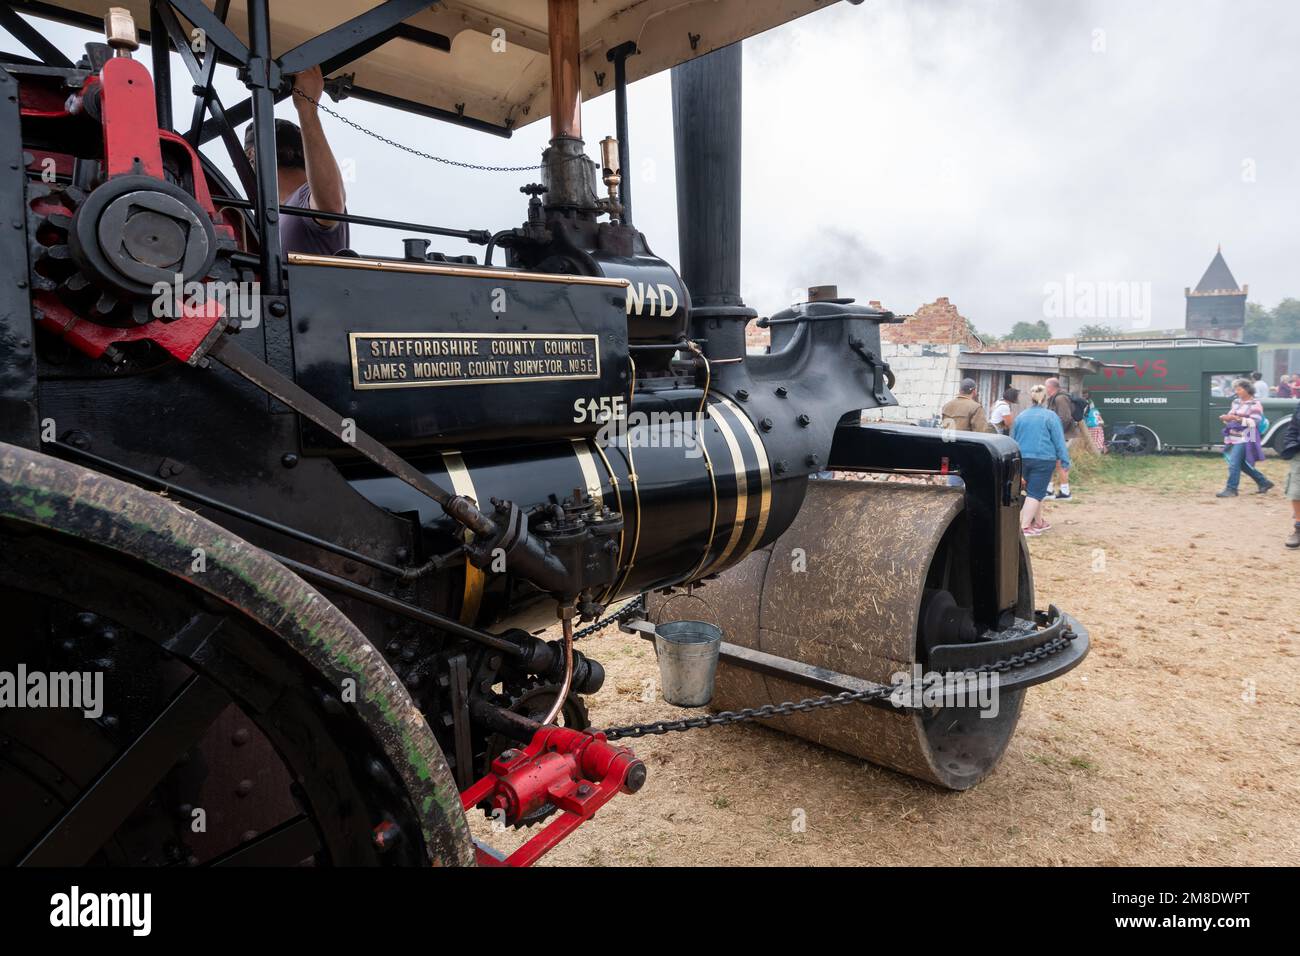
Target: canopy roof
<point>487,60</point>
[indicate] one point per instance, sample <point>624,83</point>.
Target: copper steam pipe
<point>566,85</point>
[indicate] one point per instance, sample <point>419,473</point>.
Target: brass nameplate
<point>425,359</point>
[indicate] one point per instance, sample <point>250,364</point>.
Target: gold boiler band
<point>618,501</point>
<point>700,414</point>
<point>742,490</point>
<point>764,474</point>
<point>634,482</point>
<point>475,578</point>
<point>590,477</point>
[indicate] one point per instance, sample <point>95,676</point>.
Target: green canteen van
<point>1173,390</point>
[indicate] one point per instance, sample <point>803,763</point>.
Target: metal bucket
<point>688,661</point>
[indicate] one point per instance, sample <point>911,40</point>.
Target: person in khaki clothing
<point>963,413</point>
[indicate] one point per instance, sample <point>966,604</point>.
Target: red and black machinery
<point>308,517</point>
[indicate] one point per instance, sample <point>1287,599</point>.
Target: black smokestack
<point>706,128</point>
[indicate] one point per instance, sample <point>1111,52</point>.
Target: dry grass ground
<point>1176,742</point>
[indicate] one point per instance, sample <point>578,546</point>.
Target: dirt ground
<point>1176,742</point>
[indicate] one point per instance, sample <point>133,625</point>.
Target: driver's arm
<point>324,179</point>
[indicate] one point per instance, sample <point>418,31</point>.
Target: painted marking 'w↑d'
<point>658,298</point>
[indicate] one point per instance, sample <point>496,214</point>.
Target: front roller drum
<point>843,589</point>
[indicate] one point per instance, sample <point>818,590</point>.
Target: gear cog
<point>103,251</point>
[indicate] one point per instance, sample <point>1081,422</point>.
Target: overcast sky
<point>990,151</point>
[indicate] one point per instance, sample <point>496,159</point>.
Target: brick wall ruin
<point>922,351</point>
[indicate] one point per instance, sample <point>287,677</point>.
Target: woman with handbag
<point>1241,439</point>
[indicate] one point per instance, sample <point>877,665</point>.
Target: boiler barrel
<point>695,497</point>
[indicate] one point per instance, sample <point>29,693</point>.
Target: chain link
<point>409,149</point>
<point>626,612</point>
<point>880,692</point>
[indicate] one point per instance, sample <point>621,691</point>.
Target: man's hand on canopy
<point>310,82</point>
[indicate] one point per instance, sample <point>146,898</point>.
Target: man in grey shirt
<point>307,173</point>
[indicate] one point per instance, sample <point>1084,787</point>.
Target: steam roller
<point>863,584</point>
<point>285,530</point>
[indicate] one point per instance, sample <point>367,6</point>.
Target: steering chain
<point>410,149</point>
<point>722,718</point>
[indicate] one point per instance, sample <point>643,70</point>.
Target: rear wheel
<point>1138,440</point>
<point>213,744</point>
<point>235,716</point>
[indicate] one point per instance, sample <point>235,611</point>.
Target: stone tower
<point>1216,308</point>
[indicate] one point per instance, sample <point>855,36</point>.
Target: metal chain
<point>627,611</point>
<point>881,692</point>
<point>414,152</point>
